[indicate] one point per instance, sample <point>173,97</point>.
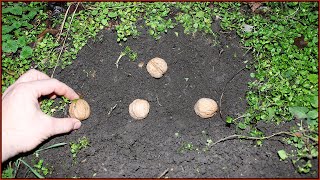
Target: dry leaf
<point>254,5</point>
<point>53,32</point>
<point>300,42</point>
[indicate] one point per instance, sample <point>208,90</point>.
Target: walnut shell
<point>79,109</point>
<point>157,67</point>
<point>139,109</point>
<point>206,107</point>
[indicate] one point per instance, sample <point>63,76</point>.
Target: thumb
<point>64,125</point>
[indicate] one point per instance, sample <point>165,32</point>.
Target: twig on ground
<point>59,34</point>
<point>158,100</point>
<point>224,88</point>
<point>220,52</point>
<point>63,22</point>
<point>164,173</point>
<point>117,62</point>
<point>257,138</point>
<point>111,109</point>
<point>64,41</point>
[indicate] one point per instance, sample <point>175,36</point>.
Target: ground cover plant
<point>279,52</point>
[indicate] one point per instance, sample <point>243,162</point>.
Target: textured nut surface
<point>79,109</point>
<point>157,67</point>
<point>206,107</point>
<point>139,109</point>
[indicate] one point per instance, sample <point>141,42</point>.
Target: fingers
<point>52,96</point>
<point>32,75</point>
<point>63,125</point>
<point>52,86</point>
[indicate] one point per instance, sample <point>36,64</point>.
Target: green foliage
<point>16,27</point>
<point>156,18</point>
<point>130,53</point>
<point>35,172</point>
<point>79,145</point>
<point>126,13</point>
<point>286,80</point>
<point>229,120</point>
<point>8,172</point>
<point>16,21</point>
<point>42,169</point>
<point>49,106</point>
<point>186,146</point>
<point>195,17</point>
<point>282,154</point>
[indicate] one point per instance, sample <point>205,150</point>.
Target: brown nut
<point>206,107</point>
<point>79,109</point>
<point>157,67</point>
<point>139,109</point>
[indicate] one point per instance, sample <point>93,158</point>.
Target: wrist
<point>8,148</point>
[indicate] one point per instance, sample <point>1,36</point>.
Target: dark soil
<point>199,66</point>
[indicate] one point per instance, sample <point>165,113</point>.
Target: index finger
<point>49,86</point>
<point>32,75</point>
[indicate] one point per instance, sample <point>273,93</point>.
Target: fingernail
<point>77,125</point>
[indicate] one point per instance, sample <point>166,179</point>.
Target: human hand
<point>24,125</point>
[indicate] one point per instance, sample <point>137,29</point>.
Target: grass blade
<point>31,169</point>
<point>52,146</point>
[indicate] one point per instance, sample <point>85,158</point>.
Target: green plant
<point>50,106</point>
<point>127,52</point>
<point>49,147</point>
<point>156,18</point>
<point>16,25</point>
<point>282,154</point>
<point>285,81</point>
<point>126,13</point>
<point>75,147</point>
<point>11,170</point>
<point>186,146</point>
<point>35,172</point>
<point>130,53</point>
<point>195,17</point>
<point>16,21</point>
<point>42,169</point>
<point>8,173</point>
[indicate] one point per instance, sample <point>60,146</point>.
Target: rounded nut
<point>139,109</point>
<point>206,107</point>
<point>157,67</point>
<point>79,109</point>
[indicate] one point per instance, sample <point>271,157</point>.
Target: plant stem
<point>257,138</point>
<point>52,146</point>
<point>64,41</point>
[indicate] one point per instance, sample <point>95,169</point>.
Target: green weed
<point>186,146</point>
<point>49,106</point>
<point>75,147</point>
<point>43,169</point>
<point>11,170</point>
<point>156,18</point>
<point>286,80</point>
<point>195,17</point>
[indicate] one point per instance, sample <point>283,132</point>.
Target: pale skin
<point>24,125</point>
